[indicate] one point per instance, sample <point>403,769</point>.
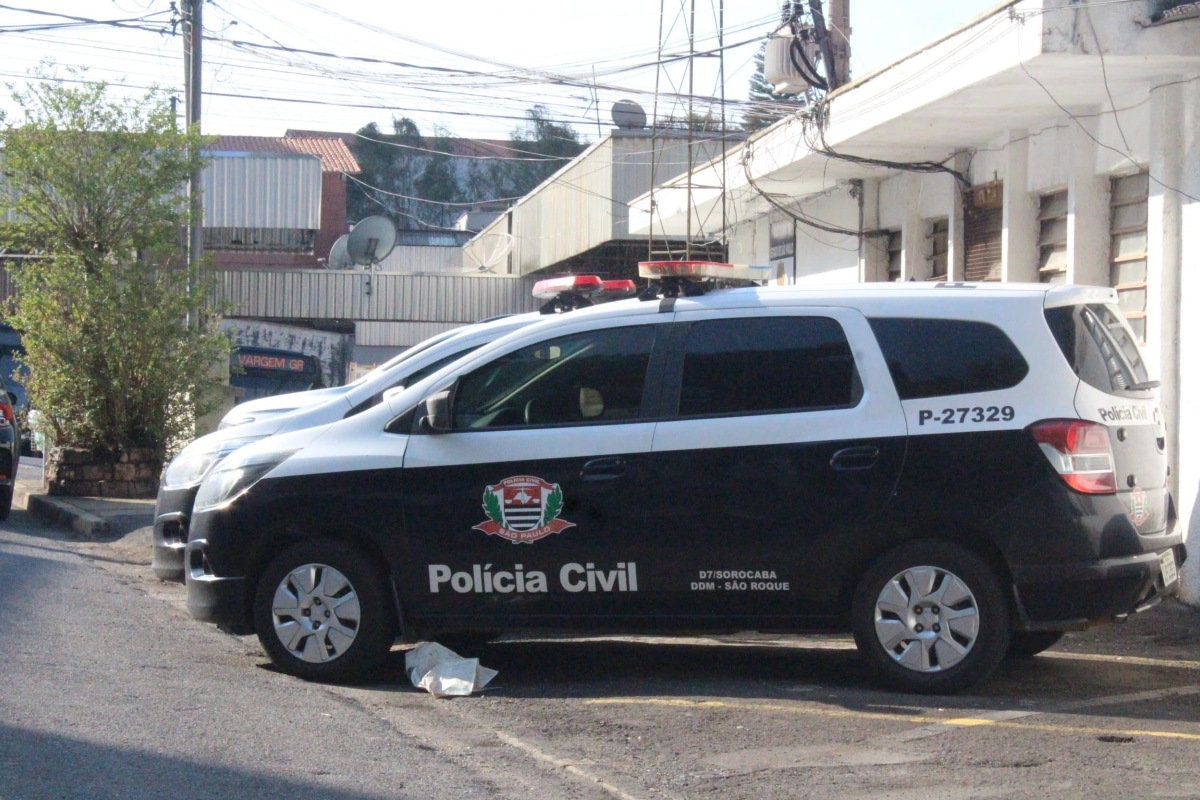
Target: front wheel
<point>322,611</point>
<point>930,617</point>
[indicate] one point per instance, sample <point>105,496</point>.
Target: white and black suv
<point>954,472</point>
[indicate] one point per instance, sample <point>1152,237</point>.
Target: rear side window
<point>767,364</point>
<point>937,357</point>
<point>1099,346</point>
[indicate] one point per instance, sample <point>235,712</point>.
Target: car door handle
<point>853,458</point>
<point>603,469</point>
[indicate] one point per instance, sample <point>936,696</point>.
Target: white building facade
<point>1049,140</point>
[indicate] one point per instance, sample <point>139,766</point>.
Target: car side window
<point>938,357</point>
<point>592,377</point>
<point>767,364</point>
<point>408,380</point>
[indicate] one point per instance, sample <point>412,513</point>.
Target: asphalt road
<point>111,691</point>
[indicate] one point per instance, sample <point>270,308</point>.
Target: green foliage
<point>553,506</point>
<point>417,181</point>
<point>97,184</point>
<point>409,177</point>
<point>491,506</point>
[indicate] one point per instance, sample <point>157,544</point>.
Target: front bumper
<point>211,598</point>
<point>172,514</point>
<point>1077,596</point>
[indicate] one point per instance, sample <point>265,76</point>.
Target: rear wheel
<point>322,611</point>
<point>1027,644</point>
<point>930,617</point>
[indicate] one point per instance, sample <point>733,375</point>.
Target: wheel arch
<point>285,533</point>
<point>971,539</point>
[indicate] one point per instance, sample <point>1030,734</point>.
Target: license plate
<point>1166,561</point>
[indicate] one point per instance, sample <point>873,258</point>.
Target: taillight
<point>1079,451</point>
<point>6,415</point>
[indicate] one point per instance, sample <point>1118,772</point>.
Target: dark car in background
<point>13,372</point>
<point>10,450</point>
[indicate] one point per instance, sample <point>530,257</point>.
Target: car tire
<point>6,501</point>
<point>322,611</point>
<point>1027,644</point>
<point>930,617</point>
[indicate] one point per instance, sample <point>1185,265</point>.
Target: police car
<point>953,472</point>
<point>257,419</point>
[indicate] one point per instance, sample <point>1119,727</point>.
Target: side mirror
<point>433,415</point>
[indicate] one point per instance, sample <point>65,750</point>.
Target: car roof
<point>885,299</point>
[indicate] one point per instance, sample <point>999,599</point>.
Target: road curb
<point>87,525</point>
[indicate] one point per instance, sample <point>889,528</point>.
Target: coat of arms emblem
<point>523,508</point>
<point>1139,510</point>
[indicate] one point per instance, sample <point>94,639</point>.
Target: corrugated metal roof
<point>334,154</point>
<point>398,334</point>
<point>262,190</point>
<point>361,295</point>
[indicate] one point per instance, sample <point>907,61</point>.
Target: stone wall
<point>77,472</point>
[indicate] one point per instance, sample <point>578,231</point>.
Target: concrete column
<point>956,257</point>
<point>1088,237</point>
<point>1187,476</point>
<point>872,253</point>
<point>914,260</point>
<point>1163,267</point>
<point>1019,240</point>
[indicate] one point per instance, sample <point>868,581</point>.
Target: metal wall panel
<point>585,204</point>
<point>411,259</point>
<point>398,334</point>
<point>359,295</point>
<point>262,190</point>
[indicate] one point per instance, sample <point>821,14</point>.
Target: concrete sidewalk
<point>91,518</point>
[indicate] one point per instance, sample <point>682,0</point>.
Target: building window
<point>983,232</point>
<point>1127,258</point>
<point>895,254</point>
<point>1052,238</point>
<point>939,248</point>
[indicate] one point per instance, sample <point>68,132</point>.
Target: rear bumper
<point>1080,595</point>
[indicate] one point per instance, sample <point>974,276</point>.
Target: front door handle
<point>603,469</point>
<point>853,458</point>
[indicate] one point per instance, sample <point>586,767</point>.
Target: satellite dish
<point>339,256</point>
<point>628,115</point>
<point>370,241</point>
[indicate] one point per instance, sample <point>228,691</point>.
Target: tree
<point>406,175</point>
<point>96,183</point>
<point>538,149</point>
<point>765,107</point>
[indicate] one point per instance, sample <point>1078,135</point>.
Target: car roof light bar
<point>691,278</point>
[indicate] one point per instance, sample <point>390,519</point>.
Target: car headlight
<point>231,479</point>
<point>190,466</point>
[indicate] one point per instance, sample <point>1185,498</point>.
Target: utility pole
<point>835,45</point>
<point>193,19</point>
<point>839,39</point>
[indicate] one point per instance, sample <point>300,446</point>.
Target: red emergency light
<point>618,289</point>
<point>710,270</point>
<point>575,284</point>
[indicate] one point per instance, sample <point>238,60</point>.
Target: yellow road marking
<point>1134,660</point>
<point>834,713</point>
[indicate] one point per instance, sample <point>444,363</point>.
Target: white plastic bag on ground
<point>443,672</point>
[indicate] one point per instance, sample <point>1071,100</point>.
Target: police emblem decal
<point>1138,510</point>
<point>523,508</point>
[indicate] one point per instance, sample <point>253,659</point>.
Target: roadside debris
<point>443,672</point>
